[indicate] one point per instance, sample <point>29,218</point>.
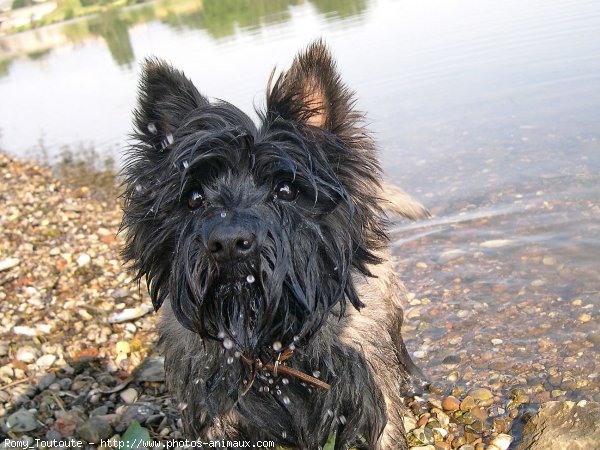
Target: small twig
<point>14,383</point>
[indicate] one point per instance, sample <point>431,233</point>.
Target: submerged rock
<point>563,425</point>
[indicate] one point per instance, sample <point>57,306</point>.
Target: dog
<point>265,248</point>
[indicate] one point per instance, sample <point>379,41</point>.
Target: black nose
<point>229,242</point>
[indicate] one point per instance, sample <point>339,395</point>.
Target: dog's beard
<point>252,306</point>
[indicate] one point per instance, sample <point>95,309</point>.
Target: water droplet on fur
<point>278,392</point>
<point>169,138</point>
<point>182,405</point>
<point>230,360</point>
<point>284,434</point>
<point>197,380</point>
<point>266,389</point>
<point>296,338</point>
<point>335,268</point>
<point>152,128</point>
<point>329,412</point>
<point>271,381</point>
<point>286,400</point>
<point>221,334</point>
<point>223,215</point>
<point>342,420</point>
<point>186,164</point>
<point>228,344</point>
<point>250,279</point>
<point>285,381</point>
<point>139,188</point>
<point>292,347</point>
<point>152,210</point>
<point>276,346</point>
<point>316,374</point>
<point>237,354</point>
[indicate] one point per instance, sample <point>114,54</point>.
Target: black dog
<point>282,315</point>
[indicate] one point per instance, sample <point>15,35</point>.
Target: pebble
<point>21,421</point>
<point>130,314</point>
<point>26,354</point>
<point>9,263</point>
<point>497,341</point>
<point>481,394</point>
<point>451,359</point>
<point>410,423</point>
<point>46,381</point>
<point>151,369</point>
<point>45,361</point>
<point>25,330</point>
<point>136,412</point>
<point>451,403</point>
<point>123,347</point>
<point>497,243</point>
<point>467,403</point>
<point>94,429</point>
<point>83,260</point>
<point>129,395</point>
<point>585,317</point>
<point>500,442</point>
<point>594,337</point>
<point>451,255</point>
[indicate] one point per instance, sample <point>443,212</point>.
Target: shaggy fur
<point>261,242</point>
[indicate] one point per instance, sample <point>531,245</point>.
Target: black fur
<point>305,197</point>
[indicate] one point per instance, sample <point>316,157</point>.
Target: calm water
<point>489,112</point>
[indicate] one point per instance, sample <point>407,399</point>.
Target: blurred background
<point>488,112</point>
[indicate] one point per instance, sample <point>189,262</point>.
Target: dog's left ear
<point>311,92</point>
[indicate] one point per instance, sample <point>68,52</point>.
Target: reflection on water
<point>220,18</point>
<point>487,111</point>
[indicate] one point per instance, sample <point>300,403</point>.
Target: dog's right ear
<point>165,98</point>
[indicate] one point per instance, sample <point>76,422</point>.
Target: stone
<point>451,359</point>
<point>83,260</point>
<point>9,263</point>
<point>451,403</point>
<point>497,243</point>
<point>46,381</point>
<point>481,394</point>
<point>94,429</point>
<point>151,369</point>
<point>21,421</point>
<point>129,395</point>
<point>136,412</point>
<point>563,425</point>
<point>451,255</point>
<point>26,354</point>
<point>45,361</point>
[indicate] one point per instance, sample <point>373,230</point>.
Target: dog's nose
<point>230,242</point>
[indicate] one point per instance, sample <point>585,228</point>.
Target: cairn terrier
<point>265,248</point>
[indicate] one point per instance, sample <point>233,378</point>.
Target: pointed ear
<point>165,98</point>
<point>311,92</point>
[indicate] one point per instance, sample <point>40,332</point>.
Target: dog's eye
<point>195,200</point>
<point>286,191</point>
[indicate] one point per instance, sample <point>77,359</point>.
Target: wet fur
<point>324,285</point>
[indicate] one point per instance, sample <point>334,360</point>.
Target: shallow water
<point>488,112</point>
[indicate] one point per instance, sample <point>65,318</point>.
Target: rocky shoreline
<point>78,358</point>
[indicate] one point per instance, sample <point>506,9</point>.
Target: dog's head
<point>252,232</point>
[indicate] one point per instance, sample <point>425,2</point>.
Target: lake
<point>488,112</point>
